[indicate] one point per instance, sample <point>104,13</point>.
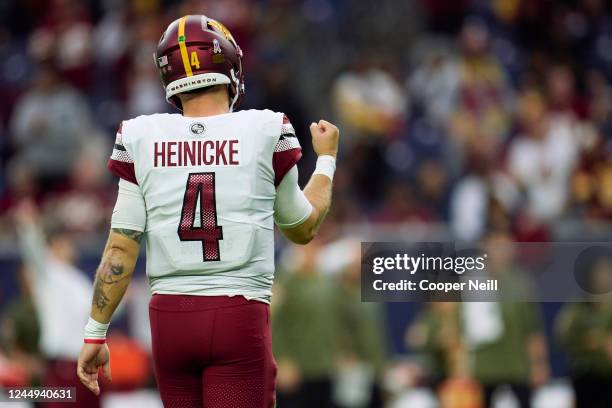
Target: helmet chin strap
<point>236,82</point>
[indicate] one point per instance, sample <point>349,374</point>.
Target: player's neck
<point>206,104</point>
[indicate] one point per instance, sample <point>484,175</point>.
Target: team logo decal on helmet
<point>196,52</point>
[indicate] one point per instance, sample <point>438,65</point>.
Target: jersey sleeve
<point>287,151</point>
<point>121,163</point>
<point>291,207</point>
<point>130,210</point>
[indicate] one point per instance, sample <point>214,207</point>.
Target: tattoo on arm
<point>131,234</point>
<point>110,273</point>
<point>100,300</point>
<point>115,272</point>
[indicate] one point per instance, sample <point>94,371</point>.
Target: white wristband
<point>326,165</point>
<point>95,332</point>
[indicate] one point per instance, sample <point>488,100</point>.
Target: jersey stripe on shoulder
<point>287,143</point>
<point>287,151</point>
<point>287,128</point>
<point>121,164</point>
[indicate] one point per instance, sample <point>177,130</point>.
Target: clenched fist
<point>324,138</point>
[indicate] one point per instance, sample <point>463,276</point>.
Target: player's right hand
<point>92,358</point>
<point>325,137</point>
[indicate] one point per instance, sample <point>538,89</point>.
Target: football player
<point>203,189</point>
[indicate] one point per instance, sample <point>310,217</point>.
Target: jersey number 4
<point>202,186</point>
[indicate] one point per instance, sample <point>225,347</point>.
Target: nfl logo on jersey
<point>197,128</point>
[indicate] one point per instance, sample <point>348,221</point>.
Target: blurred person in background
<point>20,333</point>
<point>369,99</point>
<point>362,335</point>
<point>82,202</point>
<point>584,330</point>
<point>591,184</point>
<point>22,184</point>
<point>435,335</point>
<point>591,181</point>
<point>599,99</point>
<point>471,196</point>
<point>64,34</point>
<point>481,115</point>
<point>61,296</point>
<point>144,96</point>
<point>306,324</point>
<point>564,104</point>
<point>542,157</point>
<point>433,182</point>
<point>505,340</point>
<point>434,82</point>
<point>49,126</point>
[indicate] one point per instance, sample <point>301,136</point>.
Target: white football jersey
<point>209,186</point>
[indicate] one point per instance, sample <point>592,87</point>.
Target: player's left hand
<point>92,358</point>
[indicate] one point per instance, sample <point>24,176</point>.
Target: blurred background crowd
<point>461,120</point>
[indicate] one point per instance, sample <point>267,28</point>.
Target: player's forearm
<point>318,191</point>
<point>114,273</point>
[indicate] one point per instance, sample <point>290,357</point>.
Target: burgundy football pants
<point>212,351</point>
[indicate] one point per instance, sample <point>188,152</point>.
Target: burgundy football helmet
<point>196,52</point>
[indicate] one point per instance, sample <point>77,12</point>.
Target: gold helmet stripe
<point>183,46</point>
